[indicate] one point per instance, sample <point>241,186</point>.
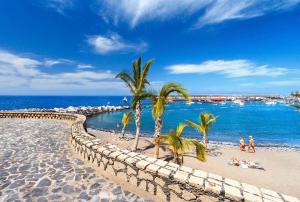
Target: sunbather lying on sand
<point>245,164</point>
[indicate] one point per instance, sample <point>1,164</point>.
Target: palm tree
<point>127,118</point>
<point>205,122</point>
<point>137,85</point>
<point>178,145</point>
<point>158,106</point>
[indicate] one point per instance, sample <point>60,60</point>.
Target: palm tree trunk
<point>204,141</point>
<point>158,126</point>
<point>123,132</point>
<point>138,110</point>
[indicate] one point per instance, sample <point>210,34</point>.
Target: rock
<point>17,183</point>
<point>95,186</point>
<point>44,183</point>
<point>39,191</point>
<point>68,189</point>
<point>83,195</point>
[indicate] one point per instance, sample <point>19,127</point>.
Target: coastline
<point>212,143</point>
<point>281,167</point>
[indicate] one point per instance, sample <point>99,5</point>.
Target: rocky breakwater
<point>84,110</point>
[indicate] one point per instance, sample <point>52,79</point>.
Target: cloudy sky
<point>76,47</point>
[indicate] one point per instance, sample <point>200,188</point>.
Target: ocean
<point>270,125</point>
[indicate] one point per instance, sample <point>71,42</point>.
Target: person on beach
<point>251,147</point>
<point>242,144</point>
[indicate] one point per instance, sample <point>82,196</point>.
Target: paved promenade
<point>36,165</point>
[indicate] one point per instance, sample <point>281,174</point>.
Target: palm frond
<point>128,80</point>
<point>200,150</point>
<point>196,126</point>
<point>136,71</point>
<point>127,118</point>
<point>144,74</point>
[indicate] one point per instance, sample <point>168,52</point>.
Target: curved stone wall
<point>168,181</point>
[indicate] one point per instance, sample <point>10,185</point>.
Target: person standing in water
<point>251,147</point>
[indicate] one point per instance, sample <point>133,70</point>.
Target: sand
<point>281,174</point>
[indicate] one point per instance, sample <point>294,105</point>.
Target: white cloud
<point>295,82</point>
<point>136,12</point>
<point>52,62</point>
<point>114,43</point>
<point>20,73</point>
<point>223,10</point>
<point>208,11</point>
<point>11,64</point>
<point>59,5</point>
<point>84,66</point>
<point>230,68</point>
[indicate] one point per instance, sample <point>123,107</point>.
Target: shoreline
<point>212,143</point>
<point>280,167</point>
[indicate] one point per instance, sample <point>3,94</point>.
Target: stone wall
<point>166,180</point>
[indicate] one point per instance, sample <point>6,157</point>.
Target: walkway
<point>36,165</point>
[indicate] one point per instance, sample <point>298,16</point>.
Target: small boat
<point>124,100</point>
<point>270,103</point>
<point>189,103</point>
<point>239,102</point>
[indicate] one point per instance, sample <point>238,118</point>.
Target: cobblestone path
<point>36,165</point>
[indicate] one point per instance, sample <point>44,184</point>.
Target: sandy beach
<point>282,168</point>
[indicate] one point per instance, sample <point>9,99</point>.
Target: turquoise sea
<point>275,125</point>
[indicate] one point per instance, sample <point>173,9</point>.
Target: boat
<point>270,103</point>
<point>189,103</point>
<point>124,100</point>
<point>239,102</point>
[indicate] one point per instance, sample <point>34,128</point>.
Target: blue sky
<point>76,47</point>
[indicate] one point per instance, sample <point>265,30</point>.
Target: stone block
<point>125,151</point>
<point>270,193</point>
<point>161,194</point>
<point>133,180</point>
<point>131,171</point>
<point>142,164</point>
<point>143,185</point>
<point>181,176</point>
<point>216,177</point>
<point>252,198</point>
<point>188,196</point>
<point>186,169</point>
<point>200,173</point>
<point>251,189</point>
<point>159,181</point>
<point>131,161</point>
<point>122,175</point>
<point>197,182</point>
<point>119,165</point>
<point>115,154</point>
<point>290,198</point>
<point>122,157</point>
<point>175,188</point>
<point>150,159</point>
<point>174,197</point>
<point>208,198</point>
<point>232,183</point>
<point>232,193</point>
<point>152,168</point>
<point>212,185</point>
<point>132,154</point>
<point>161,162</point>
<point>151,188</point>
<point>145,175</point>
<point>110,169</point>
<point>164,172</point>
